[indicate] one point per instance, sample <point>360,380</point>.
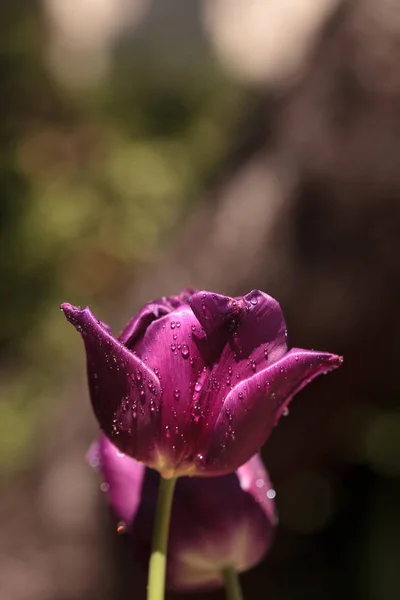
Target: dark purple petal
<point>170,350</point>
<point>123,478</point>
<point>137,326</point>
<point>213,310</point>
<point>150,312</point>
<point>251,331</point>
<point>252,409</point>
<point>218,521</point>
<point>255,480</point>
<point>125,393</point>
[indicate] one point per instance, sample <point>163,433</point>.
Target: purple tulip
<point>215,522</point>
<point>195,383</point>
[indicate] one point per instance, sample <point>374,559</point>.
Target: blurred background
<point>146,146</point>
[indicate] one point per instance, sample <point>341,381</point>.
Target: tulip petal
<point>123,477</point>
<point>151,311</point>
<point>137,326</point>
<point>255,480</point>
<point>253,407</point>
<point>170,348</point>
<point>218,521</point>
<point>214,521</point>
<point>125,393</point>
<point>252,328</point>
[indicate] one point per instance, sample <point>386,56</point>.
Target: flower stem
<point>158,558</point>
<point>232,584</point>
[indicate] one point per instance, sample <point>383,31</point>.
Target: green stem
<point>232,584</point>
<point>158,558</point>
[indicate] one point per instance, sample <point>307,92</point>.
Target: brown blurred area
<point>146,146</point>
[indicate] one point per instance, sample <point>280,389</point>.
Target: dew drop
<point>197,386</point>
<point>253,301</point>
<point>285,412</point>
<point>175,337</point>
<point>259,483</point>
<point>240,395</point>
<point>253,366</point>
<point>167,432</point>
<point>193,328</point>
<point>104,487</point>
<point>266,353</point>
<point>177,394</point>
<point>138,375</point>
<point>172,324</point>
<point>185,351</point>
<point>121,527</point>
<point>178,324</point>
<point>271,494</point>
<point>173,347</point>
<point>200,460</point>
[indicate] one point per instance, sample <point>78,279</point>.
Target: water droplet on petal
<point>266,353</point>
<point>105,487</point>
<point>193,328</point>
<point>271,494</point>
<point>240,394</point>
<point>172,324</point>
<point>200,460</point>
<point>285,412</point>
<point>259,483</point>
<point>121,527</point>
<point>253,301</point>
<point>173,347</point>
<point>253,366</point>
<point>177,394</point>
<point>197,386</point>
<point>178,324</point>
<point>185,351</point>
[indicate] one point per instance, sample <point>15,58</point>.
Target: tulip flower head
<point>195,383</point>
<point>215,522</point>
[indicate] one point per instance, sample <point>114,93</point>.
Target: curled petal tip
<point>75,314</point>
<point>70,310</point>
<point>333,361</point>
